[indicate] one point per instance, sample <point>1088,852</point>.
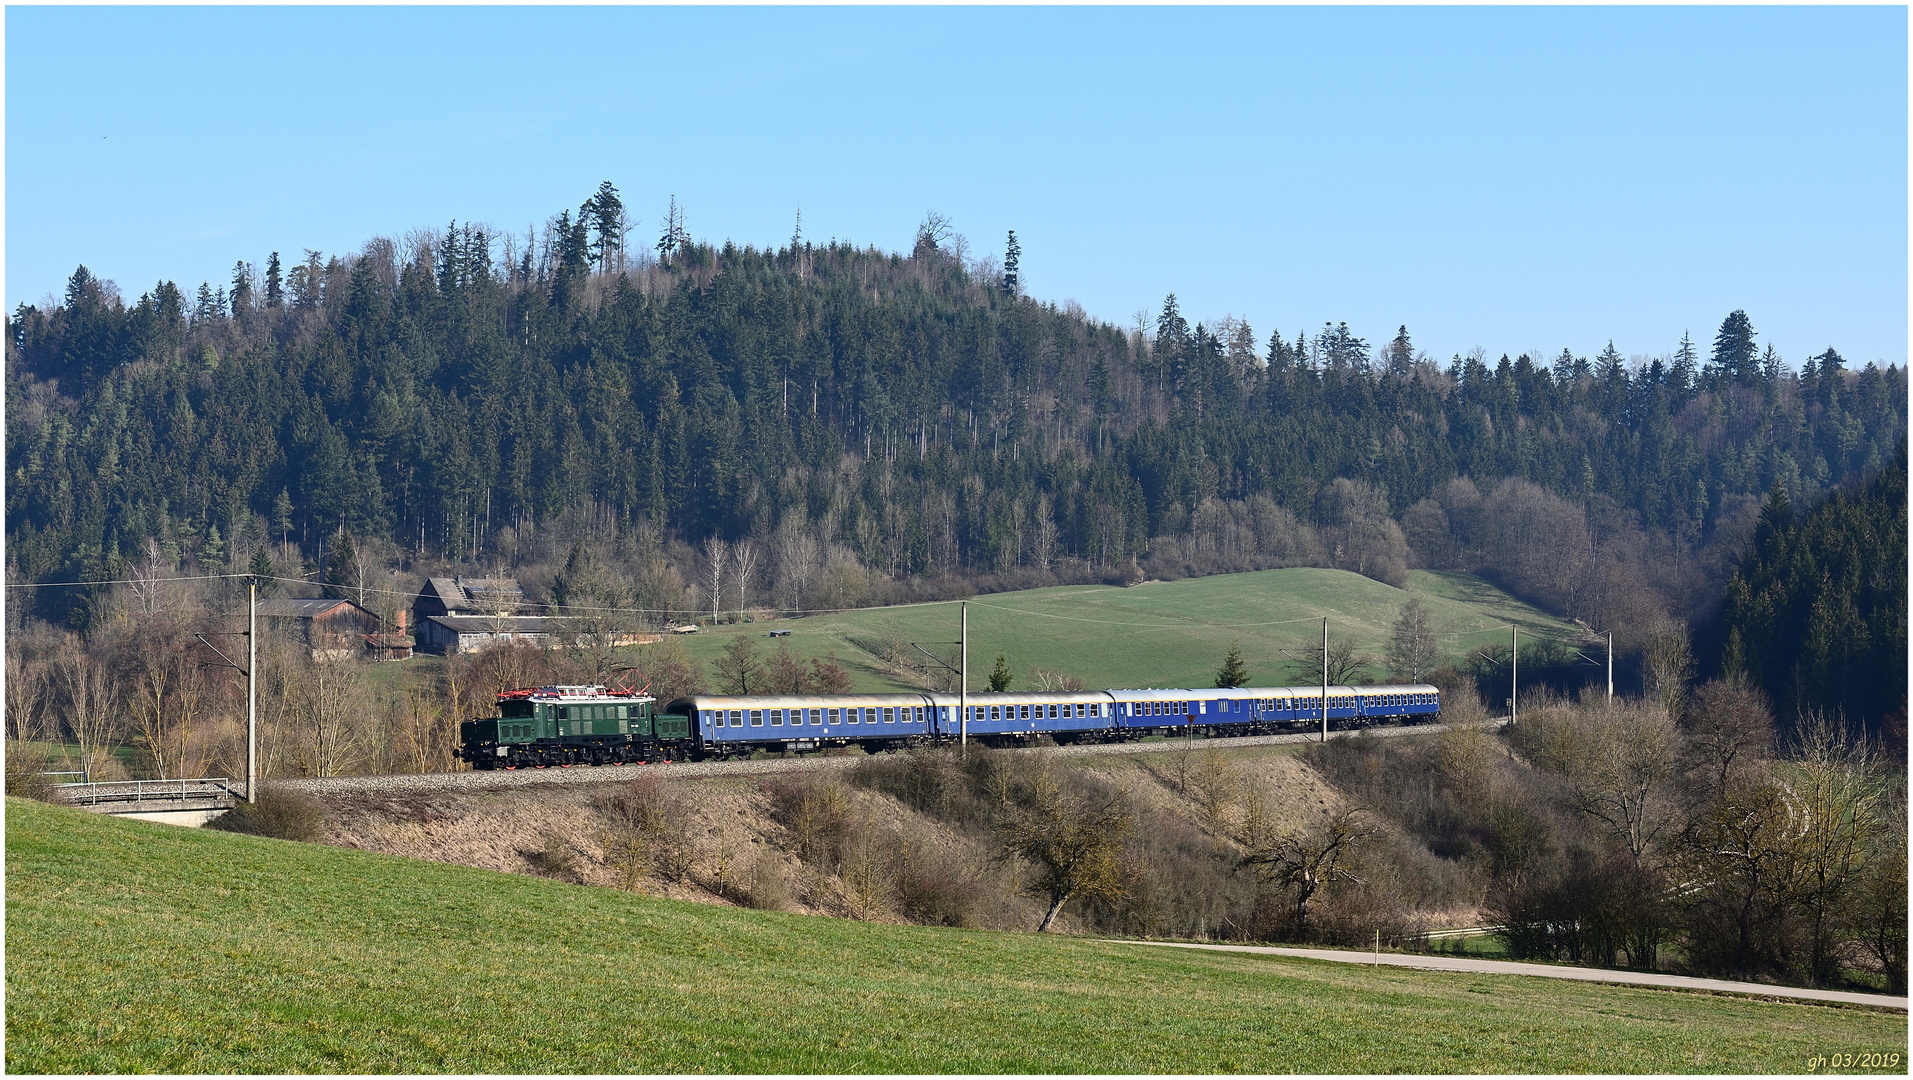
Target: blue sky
<point>1511,178</point>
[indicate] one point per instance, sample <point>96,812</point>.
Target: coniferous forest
<point>893,425</point>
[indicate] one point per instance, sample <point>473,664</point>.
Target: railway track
<point>601,774</point>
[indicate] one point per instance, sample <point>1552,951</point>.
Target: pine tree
<point>1000,678</point>
<point>606,214</point>
<point>673,236</point>
<point>275,293</point>
<point>1232,673</point>
<point>282,515</point>
<point>1734,349</point>
<point>212,551</point>
<point>1401,352</point>
<point>241,298</point>
<point>1012,254</point>
<point>260,571</point>
<point>1681,375</point>
<point>343,577</point>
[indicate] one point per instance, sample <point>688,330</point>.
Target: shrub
<point>647,832</point>
<point>554,860</point>
<point>26,775</point>
<point>278,813</point>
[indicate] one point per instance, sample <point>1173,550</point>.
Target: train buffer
<point>172,802</point>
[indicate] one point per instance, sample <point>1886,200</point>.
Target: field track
<point>600,774</point>
<point>1553,971</point>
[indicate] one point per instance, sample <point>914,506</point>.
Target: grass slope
<point>1172,633</point>
<point>136,947</point>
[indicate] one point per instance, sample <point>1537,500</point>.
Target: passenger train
<point>590,725</point>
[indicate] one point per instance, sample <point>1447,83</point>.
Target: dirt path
<point>1550,971</point>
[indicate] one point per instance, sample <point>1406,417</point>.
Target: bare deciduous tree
<point>147,578</point>
<point>744,554</point>
<point>1344,662</point>
<point>1622,772</point>
<point>1728,729</point>
<point>1074,842</point>
<point>1411,648</point>
<point>795,553</point>
<point>716,554</point>
<point>332,712</point>
<point>1839,797</point>
<point>168,686</point>
<point>1670,663</point>
<point>1309,859</point>
<point>91,702</point>
<point>27,698</point>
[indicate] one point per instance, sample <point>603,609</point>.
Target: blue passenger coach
<point>736,725</point>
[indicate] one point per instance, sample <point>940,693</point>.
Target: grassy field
<point>1161,633</point>
<point>135,947</point>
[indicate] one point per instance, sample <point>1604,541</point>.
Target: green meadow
<point>1161,633</point>
<point>145,948</point>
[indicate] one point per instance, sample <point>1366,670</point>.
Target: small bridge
<point>171,802</point>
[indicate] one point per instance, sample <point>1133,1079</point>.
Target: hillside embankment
<point>890,838</point>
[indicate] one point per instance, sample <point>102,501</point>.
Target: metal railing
<point>134,792</point>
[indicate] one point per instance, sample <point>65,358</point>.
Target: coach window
<point>777,718</point>
<point>737,718</point>
<point>757,718</point>
<point>834,716</point>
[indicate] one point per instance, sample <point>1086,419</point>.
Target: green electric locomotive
<point>538,727</point>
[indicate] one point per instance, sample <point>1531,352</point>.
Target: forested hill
<point>452,394</point>
<point>1816,611</point>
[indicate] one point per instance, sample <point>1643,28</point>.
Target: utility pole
<point>963,684</point>
<point>1610,668</point>
<point>252,696</point>
<point>251,634</point>
<point>1324,678</point>
<point>1514,676</point>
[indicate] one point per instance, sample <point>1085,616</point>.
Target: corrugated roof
<point>300,607</point>
<point>510,624</point>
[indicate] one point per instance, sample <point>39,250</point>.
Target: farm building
<point>451,634</point>
<point>468,596</point>
<point>337,629</point>
<point>458,614</point>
